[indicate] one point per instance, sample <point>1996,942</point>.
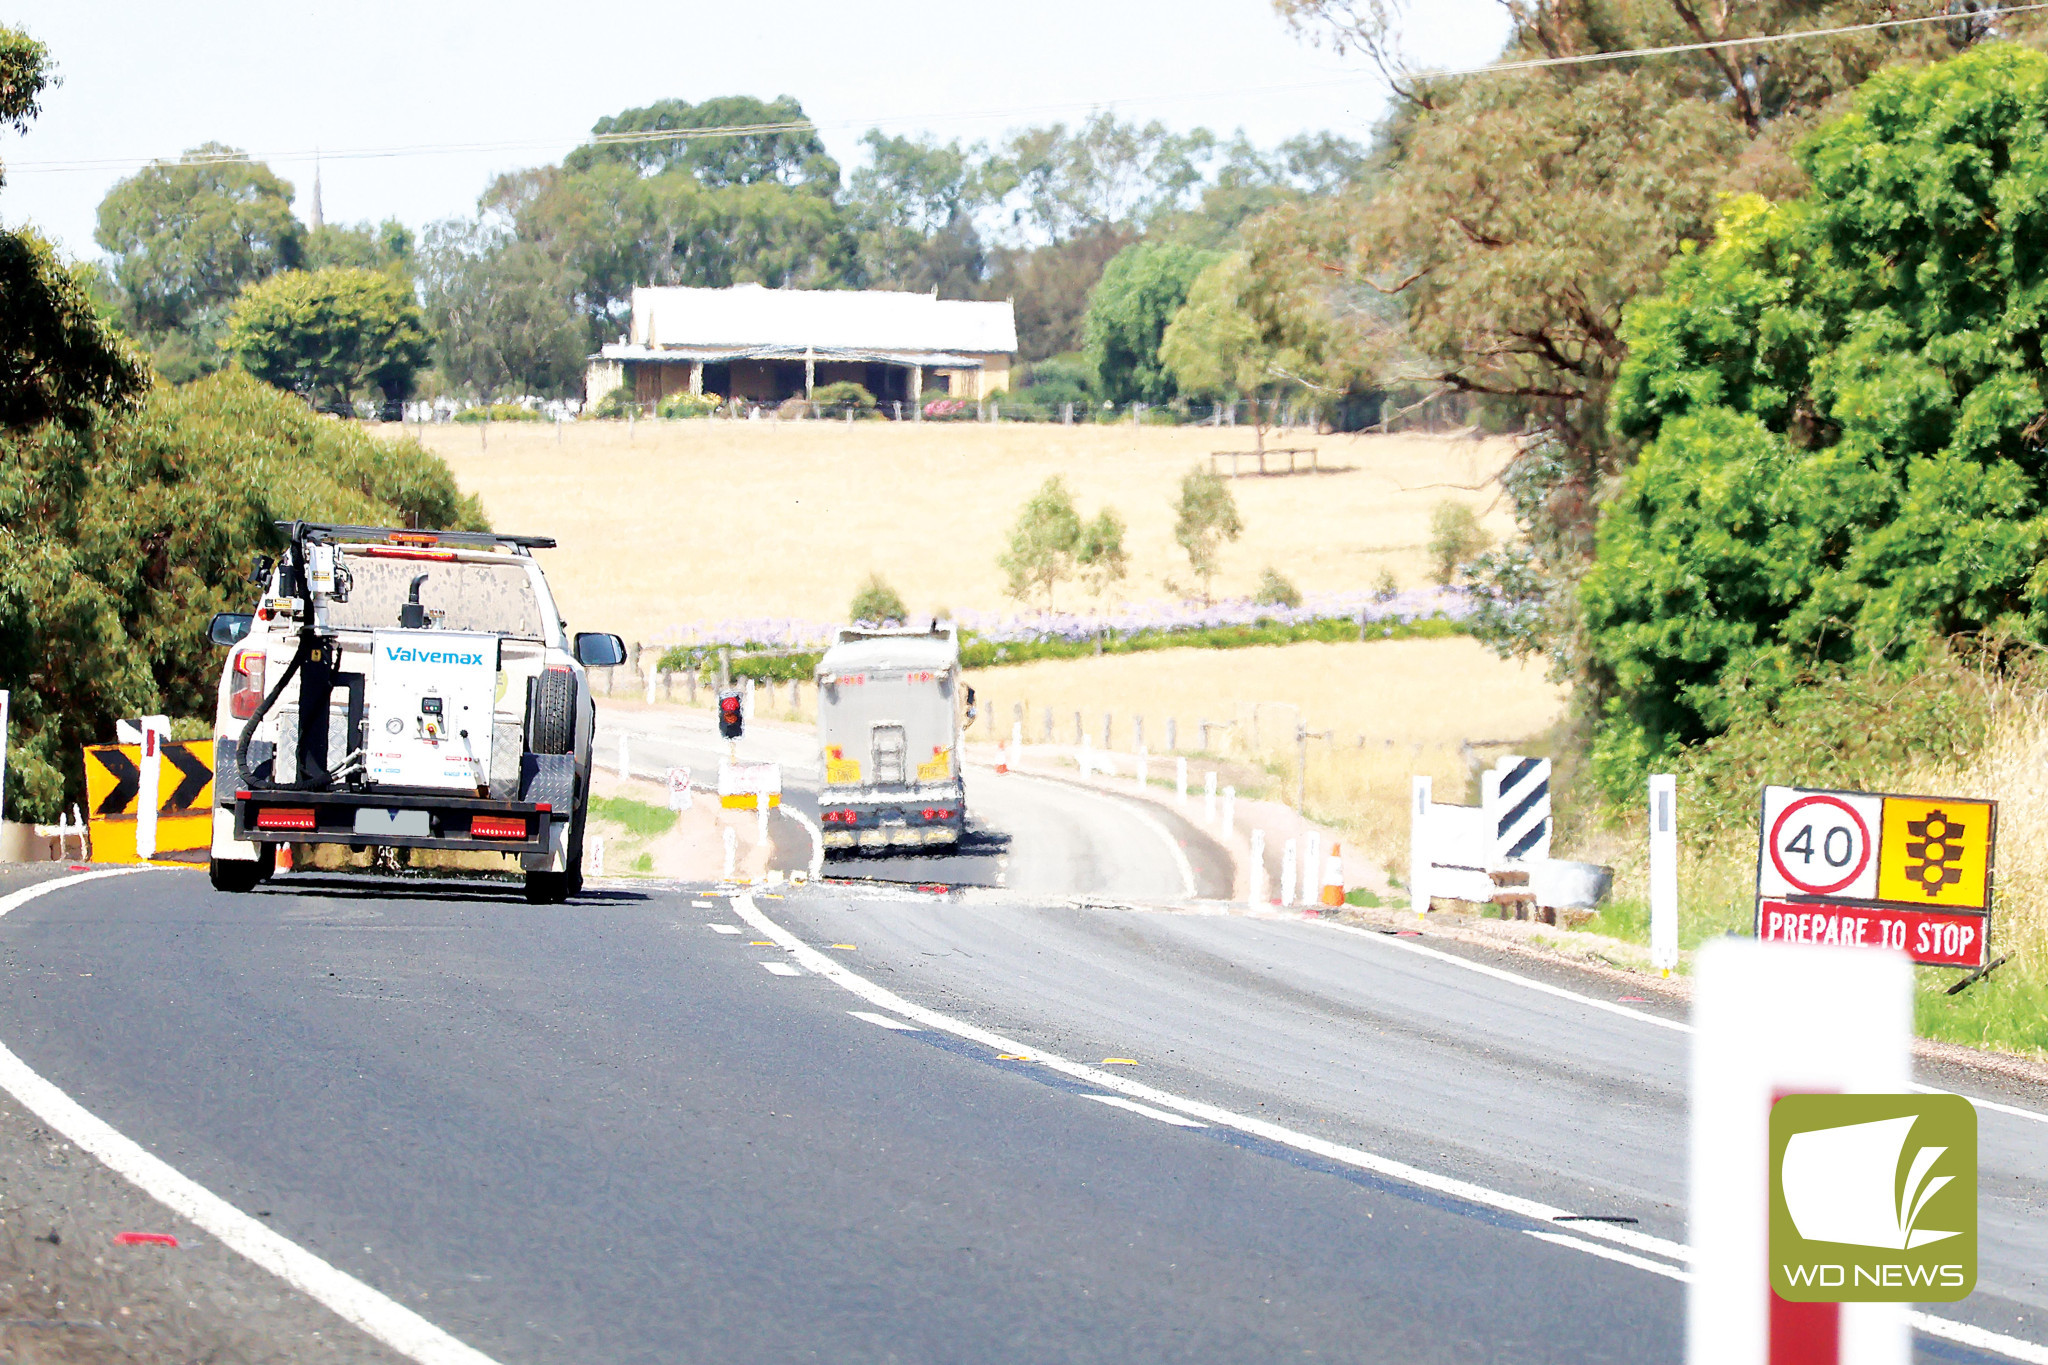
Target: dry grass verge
<point>696,521</point>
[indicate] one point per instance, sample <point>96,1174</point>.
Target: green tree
<point>911,210</point>
<point>785,148</point>
<point>1455,536</point>
<point>1044,543</point>
<point>1521,212</point>
<point>1276,590</point>
<point>1100,552</point>
<point>188,235</point>
<point>387,246</point>
<point>330,334</point>
<point>1841,402</point>
<point>1049,287</point>
<point>59,356</point>
<point>1204,518</point>
<point>878,603</point>
<point>1215,348</point>
<point>500,311</point>
<point>1059,184</point>
<point>1128,314</point>
<point>119,538</point>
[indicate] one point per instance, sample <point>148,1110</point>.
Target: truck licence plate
<point>411,824</point>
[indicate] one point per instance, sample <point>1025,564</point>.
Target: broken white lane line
<point>885,1021</point>
<point>723,928</point>
<point>1606,1253</point>
<point>783,969</point>
<point>1118,1101</point>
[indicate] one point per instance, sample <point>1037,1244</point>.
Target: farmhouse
<point>767,345</point>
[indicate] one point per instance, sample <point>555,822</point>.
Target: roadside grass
<point>699,521</point>
<point>640,819</point>
<point>2002,754</point>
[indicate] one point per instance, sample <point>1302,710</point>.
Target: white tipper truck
<point>401,689</point>
<point>891,710</point>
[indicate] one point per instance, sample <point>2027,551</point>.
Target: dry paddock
<point>668,524</point>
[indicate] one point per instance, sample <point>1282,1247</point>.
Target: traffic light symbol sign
<point>1937,843</point>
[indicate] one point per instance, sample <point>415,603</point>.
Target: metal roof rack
<point>474,539</point>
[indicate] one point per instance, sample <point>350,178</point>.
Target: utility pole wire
<point>813,126</point>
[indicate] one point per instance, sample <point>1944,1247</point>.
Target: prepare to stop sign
<point>1905,872</point>
<point>1819,844</point>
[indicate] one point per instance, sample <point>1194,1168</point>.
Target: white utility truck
<point>891,709</point>
<point>399,689</point>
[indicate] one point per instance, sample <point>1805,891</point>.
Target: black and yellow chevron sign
<point>113,781</point>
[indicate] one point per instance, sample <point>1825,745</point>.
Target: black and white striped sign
<point>1520,805</point>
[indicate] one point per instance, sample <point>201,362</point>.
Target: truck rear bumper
<point>871,825</point>
<point>395,819</point>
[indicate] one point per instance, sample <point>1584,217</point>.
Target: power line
<point>641,138</point>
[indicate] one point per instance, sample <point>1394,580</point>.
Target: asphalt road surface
<point>1025,834</point>
<point>635,1128</point>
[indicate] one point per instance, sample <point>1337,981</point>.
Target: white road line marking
<point>885,1021</point>
<point>1965,1334</point>
<point>1147,1110</point>
<point>1643,1016</point>
<point>701,905</point>
<point>723,928</point>
<point>393,1324</point>
<point>1670,1272</point>
<point>782,969</point>
<point>743,905</point>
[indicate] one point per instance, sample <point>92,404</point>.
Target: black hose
<point>306,641</point>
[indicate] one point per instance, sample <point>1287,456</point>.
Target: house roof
<point>748,316</point>
<point>676,355</point>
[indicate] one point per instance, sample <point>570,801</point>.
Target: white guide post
<point>1229,810</point>
<point>1311,868</point>
<point>1256,890</point>
<point>1180,780</point>
<point>1087,755</point>
<point>155,730</point>
<point>1772,1019</point>
<point>1287,856</point>
<point>625,756</point>
<point>1418,846</point>
<point>732,852</point>
<point>1144,767</point>
<point>596,857</point>
<point>650,686</point>
<point>1663,872</point>
<point>1209,796</point>
<point>1016,740</point>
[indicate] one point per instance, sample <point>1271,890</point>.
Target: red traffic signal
<point>730,721</point>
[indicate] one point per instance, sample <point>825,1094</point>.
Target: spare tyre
<point>551,719</point>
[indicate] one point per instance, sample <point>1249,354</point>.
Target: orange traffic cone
<point>1333,876</point>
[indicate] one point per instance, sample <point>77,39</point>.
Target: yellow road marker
<point>1119,1061</point>
<point>761,943</point>
<point>847,946</point>
<point>1011,1057</point>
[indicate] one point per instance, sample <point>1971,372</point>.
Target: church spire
<point>317,219</point>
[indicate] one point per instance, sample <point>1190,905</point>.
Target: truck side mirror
<point>970,706</point>
<point>230,627</point>
<point>594,650</point>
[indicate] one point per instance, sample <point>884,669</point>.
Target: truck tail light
<point>497,827</point>
<point>284,817</point>
<point>245,684</point>
<point>937,813</point>
<point>838,817</point>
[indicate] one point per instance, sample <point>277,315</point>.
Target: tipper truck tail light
<point>497,827</point>
<point>245,686</point>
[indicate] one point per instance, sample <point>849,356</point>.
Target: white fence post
<point>1180,780</point>
<point>1663,872</point>
<point>1287,860</point>
<point>155,730</point>
<point>1771,1019</point>
<point>1229,810</point>
<point>1257,886</point>
<point>1418,846</point>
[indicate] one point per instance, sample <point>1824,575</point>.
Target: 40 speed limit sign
<point>1906,872</point>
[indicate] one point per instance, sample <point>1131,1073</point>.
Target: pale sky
<point>279,79</point>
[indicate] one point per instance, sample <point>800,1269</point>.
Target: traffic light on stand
<point>730,721</point>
